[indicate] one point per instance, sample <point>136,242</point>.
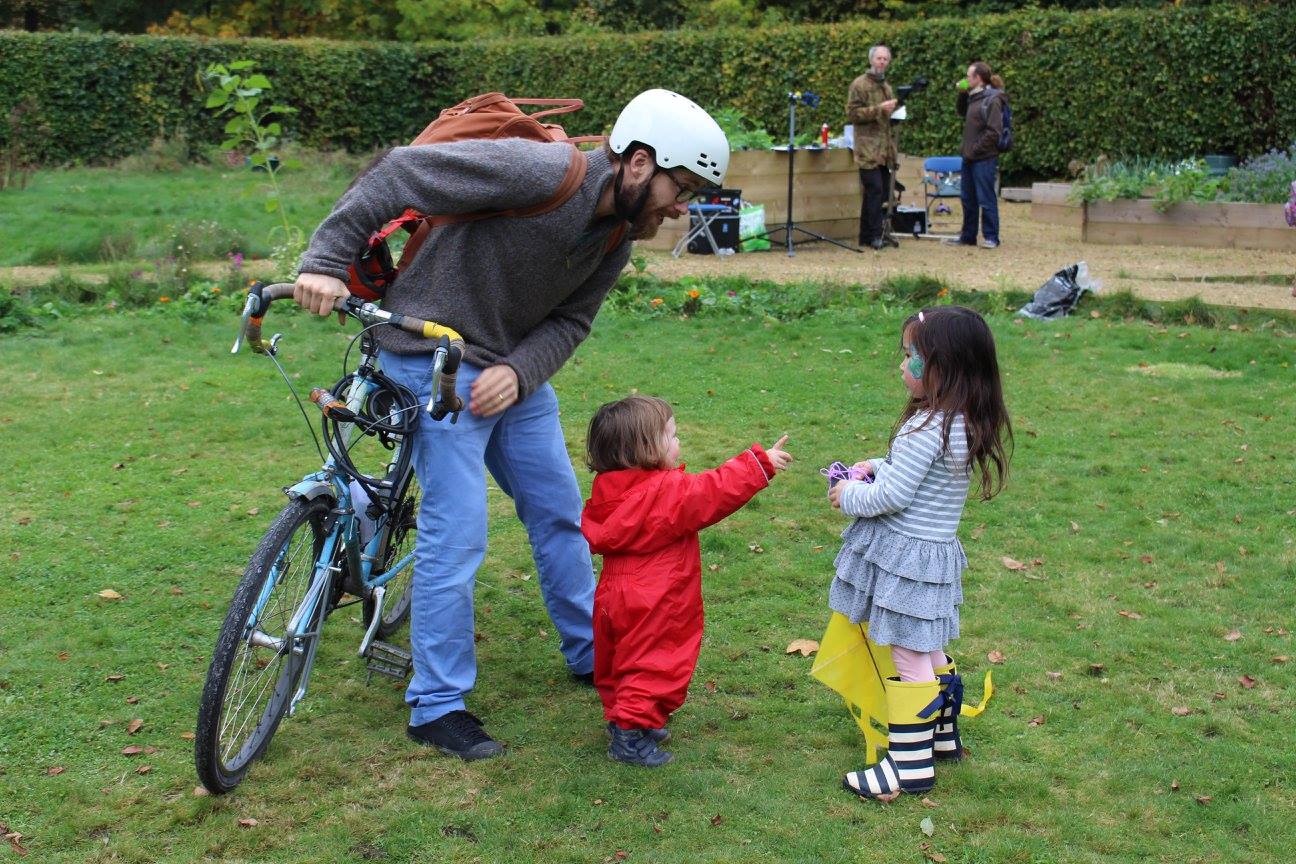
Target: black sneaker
<point>458,733</point>
<point>636,747</point>
<point>659,736</point>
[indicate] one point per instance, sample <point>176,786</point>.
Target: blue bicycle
<point>346,536</point>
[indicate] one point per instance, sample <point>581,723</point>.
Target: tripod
<point>790,226</point>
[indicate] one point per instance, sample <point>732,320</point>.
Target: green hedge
<point>1170,82</point>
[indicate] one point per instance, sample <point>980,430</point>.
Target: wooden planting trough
<point>1230,225</point>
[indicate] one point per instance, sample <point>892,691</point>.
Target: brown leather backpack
<point>489,116</point>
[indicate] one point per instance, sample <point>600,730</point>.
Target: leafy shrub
<point>1166,182</point>
<point>106,96</point>
<point>742,133</point>
<point>1265,179</point>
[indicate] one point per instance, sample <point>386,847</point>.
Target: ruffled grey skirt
<point>908,590</point>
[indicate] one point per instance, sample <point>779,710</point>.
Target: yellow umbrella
<point>854,666</point>
<point>849,663</point>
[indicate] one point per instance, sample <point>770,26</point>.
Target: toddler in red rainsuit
<point>643,517</point>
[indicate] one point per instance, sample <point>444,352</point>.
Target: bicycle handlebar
<point>445,401</point>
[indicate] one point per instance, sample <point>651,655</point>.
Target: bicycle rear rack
<point>390,660</point>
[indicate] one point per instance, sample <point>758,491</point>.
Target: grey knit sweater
<point>522,290</point>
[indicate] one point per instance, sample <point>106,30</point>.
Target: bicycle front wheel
<point>255,668</point>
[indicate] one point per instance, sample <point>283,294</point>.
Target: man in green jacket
<point>868,107</point>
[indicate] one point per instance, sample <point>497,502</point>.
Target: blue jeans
<point>524,449</point>
<point>977,191</point>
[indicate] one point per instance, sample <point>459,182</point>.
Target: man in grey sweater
<point>523,291</point>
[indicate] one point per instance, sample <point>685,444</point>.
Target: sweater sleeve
<point>690,502</point>
<point>896,480</point>
<point>544,350</point>
<point>437,179</point>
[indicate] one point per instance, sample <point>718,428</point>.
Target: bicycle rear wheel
<point>254,669</point>
<point>400,542</point>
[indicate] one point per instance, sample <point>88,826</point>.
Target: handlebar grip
<point>449,375</point>
<point>266,294</point>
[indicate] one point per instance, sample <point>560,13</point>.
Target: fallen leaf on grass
<point>55,771</point>
<point>929,803</point>
<point>1174,785</point>
<point>804,647</point>
<point>132,750</point>
<point>1146,559</point>
<point>755,548</point>
<point>1036,721</point>
<point>144,769</point>
<point>1012,563</point>
<point>977,532</point>
<point>1281,658</point>
<point>926,826</point>
<point>176,591</point>
<point>1204,800</point>
<point>13,837</point>
<point>1053,676</point>
<point>188,736</point>
<point>710,686</point>
<point>1097,669</point>
<point>109,594</point>
<point>996,657</point>
<point>929,853</point>
<point>1133,616</point>
<point>715,820</point>
<point>132,700</point>
<point>254,511</point>
<point>1233,636</point>
<point>200,792</point>
<point>134,726</point>
<point>1247,682</point>
<point>1075,527</point>
<point>1217,696</point>
<point>248,823</point>
<point>62,656</point>
<point>113,678</point>
<point>1181,710</point>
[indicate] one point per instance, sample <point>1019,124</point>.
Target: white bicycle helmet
<point>680,132</point>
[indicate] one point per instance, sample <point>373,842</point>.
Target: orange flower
<point>694,294</point>
<point>944,292</point>
<point>164,299</point>
<point>656,301</point>
<point>215,290</point>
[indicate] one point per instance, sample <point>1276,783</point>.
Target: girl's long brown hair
<point>961,376</point>
<point>627,434</point>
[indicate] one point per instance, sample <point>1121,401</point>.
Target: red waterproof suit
<point>648,605</point>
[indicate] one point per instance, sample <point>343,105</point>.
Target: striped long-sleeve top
<point>920,488</point>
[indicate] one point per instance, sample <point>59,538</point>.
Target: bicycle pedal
<point>390,660</point>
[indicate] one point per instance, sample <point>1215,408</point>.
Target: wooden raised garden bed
<point>1229,225</point>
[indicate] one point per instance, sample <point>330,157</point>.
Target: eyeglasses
<point>685,193</point>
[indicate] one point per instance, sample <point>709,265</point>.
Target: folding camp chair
<point>942,178</point>
<point>700,218</point>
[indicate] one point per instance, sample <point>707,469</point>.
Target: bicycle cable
<point>300,406</point>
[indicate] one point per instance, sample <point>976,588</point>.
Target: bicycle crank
<point>390,660</point>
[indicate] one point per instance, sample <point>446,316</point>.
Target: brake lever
<point>248,308</point>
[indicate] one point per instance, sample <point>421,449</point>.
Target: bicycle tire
<point>400,541</point>
<point>222,753</point>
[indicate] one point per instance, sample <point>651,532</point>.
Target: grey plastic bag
<point>1060,294</point>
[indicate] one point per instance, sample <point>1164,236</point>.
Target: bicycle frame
<point>345,530</point>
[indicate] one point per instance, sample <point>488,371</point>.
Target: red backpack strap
<point>571,181</point>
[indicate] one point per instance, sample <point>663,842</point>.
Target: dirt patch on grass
<point>1031,252</point>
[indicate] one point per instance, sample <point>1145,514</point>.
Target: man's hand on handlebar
<point>317,293</point>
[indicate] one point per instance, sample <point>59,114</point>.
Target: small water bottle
<point>823,134</point>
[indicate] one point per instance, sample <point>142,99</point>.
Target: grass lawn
<point>1151,501</point>
<point>101,215</point>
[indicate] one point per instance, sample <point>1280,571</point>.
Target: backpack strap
<point>572,180</point>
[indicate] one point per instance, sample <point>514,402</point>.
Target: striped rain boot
<point>911,722</point>
<point>947,745</point>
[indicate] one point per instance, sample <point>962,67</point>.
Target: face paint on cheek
<point>916,366</point>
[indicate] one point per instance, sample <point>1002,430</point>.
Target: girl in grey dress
<point>901,563</point>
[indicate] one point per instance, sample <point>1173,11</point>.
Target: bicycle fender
<point>309,489</point>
